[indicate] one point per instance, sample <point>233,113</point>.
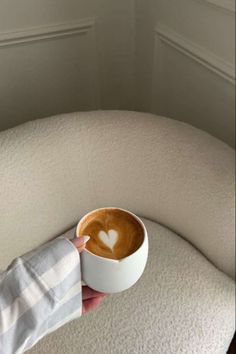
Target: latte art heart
<point>114,233</point>
<point>108,238</point>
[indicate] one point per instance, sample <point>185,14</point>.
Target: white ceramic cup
<point>110,275</point>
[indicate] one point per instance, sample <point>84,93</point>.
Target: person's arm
<point>39,292</point>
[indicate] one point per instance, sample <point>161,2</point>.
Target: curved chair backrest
<point>54,170</point>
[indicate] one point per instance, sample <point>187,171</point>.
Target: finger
<point>88,293</point>
<point>80,249</point>
<point>91,304</point>
<point>80,242</point>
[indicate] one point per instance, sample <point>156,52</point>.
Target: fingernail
<point>85,239</point>
<point>80,241</point>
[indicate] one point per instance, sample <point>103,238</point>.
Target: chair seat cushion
<point>182,304</point>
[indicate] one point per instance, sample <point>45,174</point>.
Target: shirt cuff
<point>56,266</point>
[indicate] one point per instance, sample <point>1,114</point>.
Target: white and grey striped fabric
<point>39,292</point>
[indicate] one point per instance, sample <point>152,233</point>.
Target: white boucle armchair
<point>179,179</point>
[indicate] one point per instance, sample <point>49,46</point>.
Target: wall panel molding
<point>190,83</point>
<point>197,53</point>
<point>46,32</point>
<point>58,66</point>
<point>225,5</point>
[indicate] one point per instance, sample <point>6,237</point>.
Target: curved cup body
<point>109,275</point>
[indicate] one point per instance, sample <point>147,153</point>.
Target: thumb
<point>79,242</point>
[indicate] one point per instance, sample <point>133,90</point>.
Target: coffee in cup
<point>114,233</point>
<point>116,254</point>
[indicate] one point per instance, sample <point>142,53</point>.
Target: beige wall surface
<point>185,63</point>
<point>64,55</point>
<point>174,58</point>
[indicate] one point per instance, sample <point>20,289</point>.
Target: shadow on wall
<point>131,55</point>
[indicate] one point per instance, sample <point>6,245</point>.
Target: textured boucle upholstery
<point>54,170</point>
<point>182,304</point>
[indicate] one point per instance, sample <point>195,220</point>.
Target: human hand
<point>80,242</point>
<point>91,298</point>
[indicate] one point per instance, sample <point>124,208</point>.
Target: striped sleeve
<point>39,292</point>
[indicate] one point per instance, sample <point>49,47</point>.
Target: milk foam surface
<point>113,233</point>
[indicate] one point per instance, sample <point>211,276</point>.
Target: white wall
<point>185,62</point>
<point>64,55</point>
<point>170,57</point>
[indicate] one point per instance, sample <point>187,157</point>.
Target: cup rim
<point>116,208</point>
